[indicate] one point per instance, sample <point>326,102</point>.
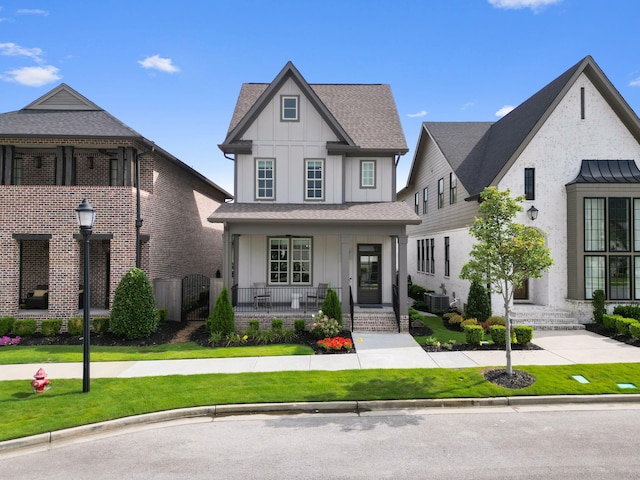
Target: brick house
<point>315,169</point>
<point>62,148</point>
<point>572,150</point>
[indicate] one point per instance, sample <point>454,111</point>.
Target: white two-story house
<point>315,205</point>
<point>572,150</point>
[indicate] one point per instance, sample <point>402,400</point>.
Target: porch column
<point>394,261</point>
<point>345,247</point>
<point>226,259</point>
<point>403,292</point>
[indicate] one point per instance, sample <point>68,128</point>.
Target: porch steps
<point>372,321</point>
<point>544,318</point>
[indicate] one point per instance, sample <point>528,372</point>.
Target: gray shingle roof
<point>366,112</point>
<point>607,171</point>
<point>479,151</point>
<point>389,213</point>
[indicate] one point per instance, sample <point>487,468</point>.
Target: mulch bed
<point>518,378</point>
<point>600,330</point>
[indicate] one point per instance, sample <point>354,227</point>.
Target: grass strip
<point>25,413</point>
<point>177,351</point>
<point>440,332</point>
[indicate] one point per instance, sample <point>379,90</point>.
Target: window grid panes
<point>636,225</point>
<point>368,174</point>
<point>619,278</point>
<point>441,193</point>
<point>315,180</point>
<point>264,179</point>
<point>594,225</point>
<point>290,261</point>
<point>636,261</point>
<point>301,261</point>
<point>278,261</point>
<point>289,108</point>
<point>594,275</point>
<point>619,224</point>
<point>453,189</point>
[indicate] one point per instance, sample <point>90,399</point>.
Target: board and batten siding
<point>383,191</point>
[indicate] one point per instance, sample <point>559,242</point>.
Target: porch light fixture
<point>532,213</point>
<point>86,215</point>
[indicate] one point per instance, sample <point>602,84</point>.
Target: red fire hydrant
<point>40,384</point>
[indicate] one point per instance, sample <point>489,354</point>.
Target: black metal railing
<point>351,305</point>
<point>278,299</point>
<point>396,304</point>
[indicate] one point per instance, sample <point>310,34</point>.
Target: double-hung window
<point>441,193</point>
<point>289,261</point>
<point>416,202</point>
<point>425,198</point>
<point>16,174</point>
<point>265,179</point>
<point>433,256</point>
<point>367,174</point>
<point>453,189</point>
<point>289,111</point>
<point>314,180</point>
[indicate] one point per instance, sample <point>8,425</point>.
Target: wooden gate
<point>195,297</point>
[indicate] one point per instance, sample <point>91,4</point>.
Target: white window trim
<point>373,176</point>
<point>273,179</point>
<point>282,108</point>
<point>306,179</point>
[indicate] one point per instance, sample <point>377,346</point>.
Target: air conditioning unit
<point>438,303</point>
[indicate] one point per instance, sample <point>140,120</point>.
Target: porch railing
<point>351,306</point>
<point>307,299</point>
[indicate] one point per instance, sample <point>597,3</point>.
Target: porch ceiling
<point>385,213</point>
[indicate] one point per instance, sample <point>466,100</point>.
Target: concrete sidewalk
<point>373,350</point>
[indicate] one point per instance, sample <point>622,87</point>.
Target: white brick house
<point>572,150</point>
<point>315,204</point>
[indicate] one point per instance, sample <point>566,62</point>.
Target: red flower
<point>335,343</point>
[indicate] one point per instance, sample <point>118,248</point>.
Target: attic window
<point>289,108</point>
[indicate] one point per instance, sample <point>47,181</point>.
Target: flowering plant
<point>9,341</point>
<point>324,326</point>
<point>335,343</point>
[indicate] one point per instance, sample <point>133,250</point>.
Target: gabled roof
<point>488,156</point>
<point>383,213</point>
<point>362,116</point>
<point>64,113</point>
<point>607,171</point>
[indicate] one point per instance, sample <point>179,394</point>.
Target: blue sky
<point>173,70</point>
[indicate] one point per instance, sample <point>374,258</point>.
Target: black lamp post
<point>86,215</point>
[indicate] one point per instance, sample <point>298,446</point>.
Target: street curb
<point>43,440</point>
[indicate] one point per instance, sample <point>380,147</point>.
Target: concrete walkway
<point>373,350</point>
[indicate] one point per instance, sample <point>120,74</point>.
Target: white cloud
<point>33,76</point>
<point>504,110</point>
<point>156,62</point>
<point>534,5</point>
<point>32,11</point>
<point>421,113</point>
<point>635,83</point>
<point>15,50</point>
<point>467,105</point>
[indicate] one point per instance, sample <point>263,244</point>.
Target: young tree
<point>506,253</point>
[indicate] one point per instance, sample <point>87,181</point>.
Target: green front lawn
<point>175,351</point>
<point>440,332</point>
<point>25,413</point>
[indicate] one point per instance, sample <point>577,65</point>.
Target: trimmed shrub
<point>417,292</point>
<point>277,326</point>
<point>498,333</point>
<point>101,325</point>
<point>468,322</point>
<point>254,328</point>
<point>496,320</point>
<point>24,327</point>
<point>634,330</point>
<point>627,311</point>
<point>622,325</point>
<point>299,325</point>
<point>455,320</point>
<point>75,326</point>
<point>478,304</point>
<point>133,314</point>
<point>222,319</point>
<point>609,321</point>
<point>523,333</point>
<point>6,325</point>
<point>331,306</point>
<point>474,334</point>
<point>598,306</point>
<point>50,327</point>
<point>162,314</point>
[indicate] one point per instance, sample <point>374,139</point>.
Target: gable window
<point>314,180</point>
<point>289,108</point>
<point>530,183</point>
<point>265,179</point>
<point>446,256</point>
<point>367,174</point>
<point>416,202</point>
<point>453,189</point>
<point>289,261</point>
<point>425,196</point>
<point>441,193</point>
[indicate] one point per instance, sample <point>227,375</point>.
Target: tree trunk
<point>507,333</point>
